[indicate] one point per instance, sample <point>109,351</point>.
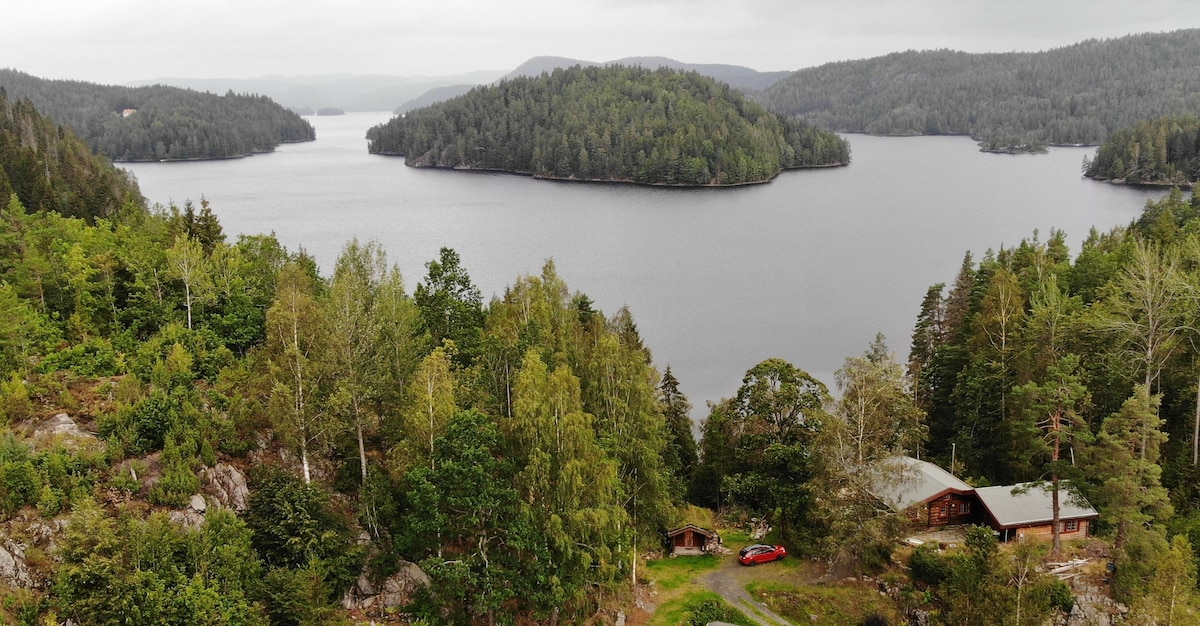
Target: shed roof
<point>905,481</point>
<point>703,531</point>
<point>1031,504</point>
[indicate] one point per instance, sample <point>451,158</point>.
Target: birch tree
<point>353,333</point>
<point>295,348</point>
<point>187,262</point>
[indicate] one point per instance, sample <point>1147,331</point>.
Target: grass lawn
<point>669,573</point>
<point>832,605</point>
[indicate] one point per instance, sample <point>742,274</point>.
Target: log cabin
<point>1026,510</point>
<point>930,496</point>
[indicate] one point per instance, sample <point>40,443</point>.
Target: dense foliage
<point>1161,151</point>
<point>49,169</point>
<point>525,453</point>
<point>1030,352</point>
<point>1078,94</point>
<point>159,122</point>
<point>516,451</point>
<point>613,124</point>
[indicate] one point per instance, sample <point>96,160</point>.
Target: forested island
<point>613,124</point>
<point>1075,95</point>
<point>1164,151</point>
<point>160,123</point>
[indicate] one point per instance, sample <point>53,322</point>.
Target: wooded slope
<point>1078,94</point>
<point>50,169</point>
<point>612,124</point>
<point>163,122</point>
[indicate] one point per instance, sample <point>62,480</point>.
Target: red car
<point>760,553</point>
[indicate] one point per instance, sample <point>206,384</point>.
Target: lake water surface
<point>807,268</point>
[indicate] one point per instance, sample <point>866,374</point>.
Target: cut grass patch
<point>670,573</point>
<point>832,605</point>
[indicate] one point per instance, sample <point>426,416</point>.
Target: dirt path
<point>730,580</point>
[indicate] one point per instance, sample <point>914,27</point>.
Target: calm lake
<point>807,268</point>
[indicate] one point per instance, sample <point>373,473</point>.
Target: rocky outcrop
<point>25,542</point>
<point>13,568</point>
<point>383,599</point>
<point>1094,607</point>
<point>63,430</point>
<point>227,485</point>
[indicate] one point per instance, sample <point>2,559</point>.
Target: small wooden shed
<point>692,540</point>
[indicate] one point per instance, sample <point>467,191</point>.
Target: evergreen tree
<point>680,454</point>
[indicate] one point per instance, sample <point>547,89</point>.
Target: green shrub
<point>705,609</point>
<point>19,485</point>
<point>179,480</point>
<point>160,360</point>
<point>928,566</point>
<point>15,404</point>
<point>92,358</point>
<point>294,527</point>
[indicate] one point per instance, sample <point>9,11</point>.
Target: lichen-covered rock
<point>197,504</point>
<point>186,518</point>
<point>394,592</point>
<point>61,429</point>
<point>227,486</point>
<point>13,568</point>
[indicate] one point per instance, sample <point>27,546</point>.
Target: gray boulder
<point>227,486</point>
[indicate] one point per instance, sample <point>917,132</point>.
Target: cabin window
<point>1071,526</point>
<point>966,507</point>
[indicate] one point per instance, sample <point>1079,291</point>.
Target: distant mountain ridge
<point>349,92</point>
<point>1077,94</point>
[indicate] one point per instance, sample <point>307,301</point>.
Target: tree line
<point>1078,94</point>
<point>612,124</point>
<point>158,122</point>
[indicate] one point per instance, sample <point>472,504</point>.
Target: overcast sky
<point>117,41</point>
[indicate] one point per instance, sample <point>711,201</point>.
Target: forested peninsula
<point>1075,95</point>
<point>1164,151</point>
<point>616,124</point>
<point>159,122</point>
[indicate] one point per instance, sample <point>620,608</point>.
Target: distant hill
<point>1078,94</point>
<point>736,76</point>
<point>349,92</point>
<point>615,123</point>
<point>433,96</point>
<point>160,122</point>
